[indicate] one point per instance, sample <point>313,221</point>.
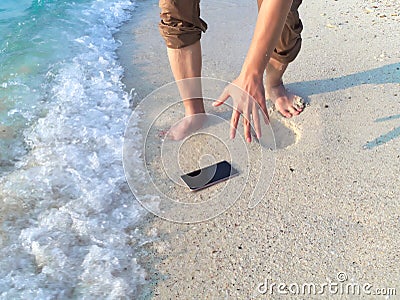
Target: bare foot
<point>186,126</point>
<point>286,103</point>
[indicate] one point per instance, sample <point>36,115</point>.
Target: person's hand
<point>248,96</point>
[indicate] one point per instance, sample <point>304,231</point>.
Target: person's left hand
<point>248,96</point>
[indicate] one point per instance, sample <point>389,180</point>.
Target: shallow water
<point>69,220</point>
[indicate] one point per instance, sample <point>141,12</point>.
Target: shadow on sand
<point>382,75</point>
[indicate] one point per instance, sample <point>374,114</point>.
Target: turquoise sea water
<point>68,220</point>
<point>35,36</point>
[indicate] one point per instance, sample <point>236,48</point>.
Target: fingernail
<point>249,140</point>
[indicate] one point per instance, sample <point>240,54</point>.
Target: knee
<point>178,33</point>
<point>180,24</point>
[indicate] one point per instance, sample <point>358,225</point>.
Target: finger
<point>256,120</point>
<point>234,122</point>
<point>222,98</point>
<point>264,110</point>
<point>246,124</point>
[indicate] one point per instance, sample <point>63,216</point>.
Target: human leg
<point>285,52</point>
<point>181,28</point>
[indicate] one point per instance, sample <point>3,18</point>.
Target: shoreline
<point>66,208</point>
<point>332,206</point>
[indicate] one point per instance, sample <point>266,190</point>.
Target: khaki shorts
<point>181,26</point>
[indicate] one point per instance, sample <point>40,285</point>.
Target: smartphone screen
<point>210,175</point>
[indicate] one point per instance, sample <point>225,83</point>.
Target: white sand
<point>333,205</point>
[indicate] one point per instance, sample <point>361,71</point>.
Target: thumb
<point>221,99</point>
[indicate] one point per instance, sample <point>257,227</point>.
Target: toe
<point>292,110</point>
<point>298,109</point>
<point>162,133</point>
<point>298,103</point>
<point>285,113</point>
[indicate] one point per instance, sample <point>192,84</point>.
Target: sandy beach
<point>332,210</point>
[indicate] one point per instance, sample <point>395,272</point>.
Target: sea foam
<point>70,222</point>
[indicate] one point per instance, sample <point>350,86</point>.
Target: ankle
<point>194,107</point>
<point>275,71</point>
<point>194,112</point>
<point>271,85</point>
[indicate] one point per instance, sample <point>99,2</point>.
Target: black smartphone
<point>210,175</point>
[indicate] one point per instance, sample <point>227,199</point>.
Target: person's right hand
<point>248,96</point>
